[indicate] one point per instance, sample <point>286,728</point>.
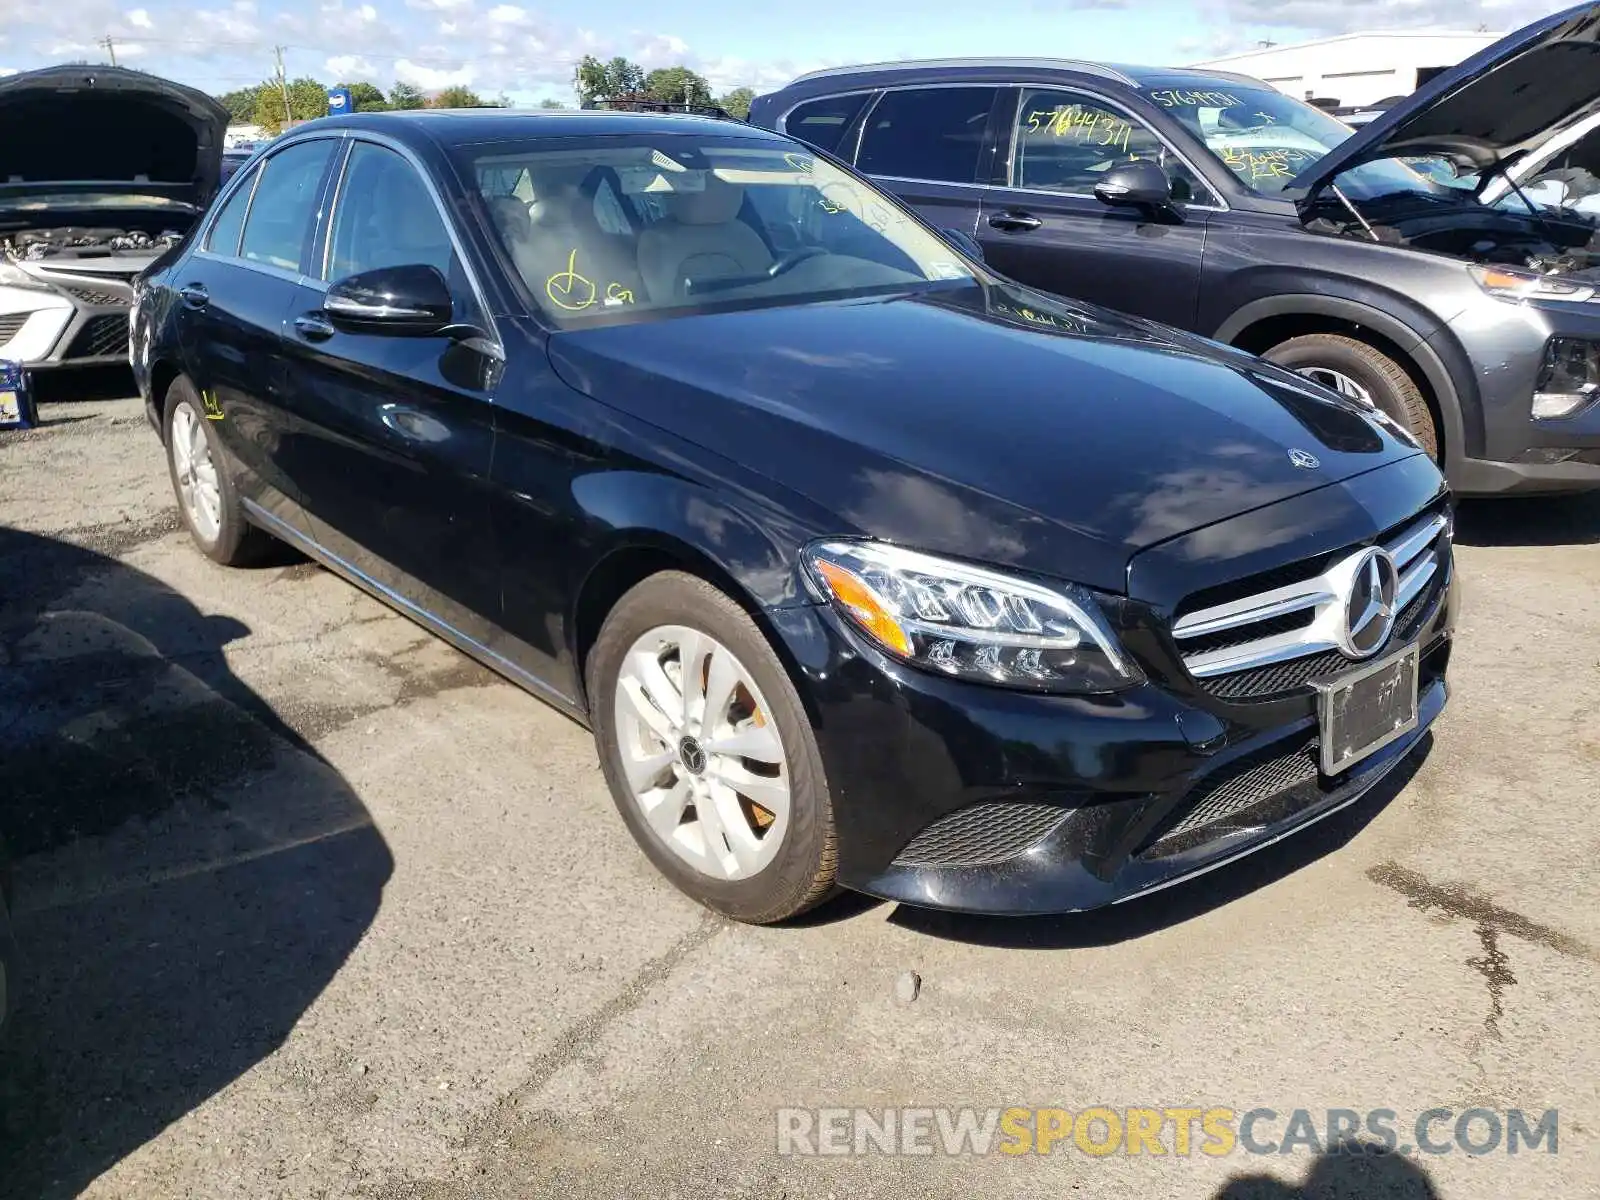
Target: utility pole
<point>111,48</point>
<point>283,86</point>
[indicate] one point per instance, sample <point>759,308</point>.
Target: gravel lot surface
<point>308,904</point>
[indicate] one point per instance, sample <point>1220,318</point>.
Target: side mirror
<point>964,242</point>
<point>1138,184</point>
<point>409,301</point>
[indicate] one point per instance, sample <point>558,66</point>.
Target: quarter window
<point>822,122</point>
<point>1065,142</point>
<point>927,133</point>
<point>224,235</point>
<point>386,217</point>
<point>282,213</point>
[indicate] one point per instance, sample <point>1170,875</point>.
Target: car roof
<point>464,126</point>
<point>1128,75</point>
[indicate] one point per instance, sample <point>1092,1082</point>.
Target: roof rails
<point>1060,64</point>
<point>630,104</point>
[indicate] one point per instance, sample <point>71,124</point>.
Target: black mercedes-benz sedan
<point>867,567</point>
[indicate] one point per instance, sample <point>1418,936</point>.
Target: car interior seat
<point>700,239</point>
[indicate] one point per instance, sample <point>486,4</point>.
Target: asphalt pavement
<point>310,905</point>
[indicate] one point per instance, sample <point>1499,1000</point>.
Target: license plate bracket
<point>1361,712</point>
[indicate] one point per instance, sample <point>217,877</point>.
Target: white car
<point>103,170</point>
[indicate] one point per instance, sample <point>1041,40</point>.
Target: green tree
<point>365,97</point>
<point>308,100</point>
<point>405,95</point>
<point>241,102</point>
<point>457,96</point>
<point>550,102</point>
<point>677,85</point>
<point>614,80</point>
<point>737,102</point>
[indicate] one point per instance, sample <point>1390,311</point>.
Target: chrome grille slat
<point>1414,549</point>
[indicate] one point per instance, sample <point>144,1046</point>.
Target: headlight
<point>1528,285</point>
<point>971,623</point>
<point>1569,379</point>
<point>12,275</point>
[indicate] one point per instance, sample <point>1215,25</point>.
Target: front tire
<point>207,501</point>
<point>1365,374</point>
<point>709,753</point>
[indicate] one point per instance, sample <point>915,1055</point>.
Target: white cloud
<point>431,78</point>
<point>350,66</point>
<point>1323,18</point>
<point>440,5</point>
<point>508,14</point>
<point>139,18</point>
<point>4,71</point>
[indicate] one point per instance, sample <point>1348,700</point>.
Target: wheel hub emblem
<point>692,754</point>
<point>1304,459</point>
<point>1369,605</point>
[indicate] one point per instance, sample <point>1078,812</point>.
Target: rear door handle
<point>1015,222</point>
<point>194,295</point>
<point>314,327</point>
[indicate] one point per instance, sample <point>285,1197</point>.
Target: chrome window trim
<point>388,143</point>
<point>1127,115</point>
<point>204,243</point>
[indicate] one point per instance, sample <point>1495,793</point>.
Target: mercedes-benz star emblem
<point>692,755</point>
<point>1369,607</point>
<point>1304,459</point>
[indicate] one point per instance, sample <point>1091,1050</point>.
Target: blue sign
<point>339,101</point>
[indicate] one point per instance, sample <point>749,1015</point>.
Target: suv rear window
<point>927,133</point>
<point>823,122</point>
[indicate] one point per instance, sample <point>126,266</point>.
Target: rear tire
<point>1335,361</point>
<point>665,761</point>
<point>203,484</point>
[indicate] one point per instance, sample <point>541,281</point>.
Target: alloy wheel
<point>703,759</point>
<point>199,492</point>
<point>1339,382</point>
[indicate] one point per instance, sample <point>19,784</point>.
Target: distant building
<point>1356,69</point>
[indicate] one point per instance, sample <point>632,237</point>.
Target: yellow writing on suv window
<point>1078,124</point>
<point>1254,165</point>
<point>574,292</point>
<point>1173,98</point>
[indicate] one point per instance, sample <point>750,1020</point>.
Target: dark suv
<point>1408,265</point>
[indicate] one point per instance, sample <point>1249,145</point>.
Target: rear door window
<point>224,235</point>
<point>933,133</point>
<point>285,205</point>
<point>822,122</point>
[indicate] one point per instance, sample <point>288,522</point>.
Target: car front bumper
<point>956,795</point>
<point>81,323</point>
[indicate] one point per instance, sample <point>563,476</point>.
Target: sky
<point>526,49</point>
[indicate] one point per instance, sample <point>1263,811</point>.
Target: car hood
<point>1502,102</point>
<point>81,137</point>
<point>987,422</point>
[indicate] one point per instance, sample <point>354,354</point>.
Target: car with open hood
<point>866,566</point>
<point>1441,263</point>
<point>101,170</point>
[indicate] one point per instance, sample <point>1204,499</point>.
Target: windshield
<point>620,228</point>
<point>1266,139</point>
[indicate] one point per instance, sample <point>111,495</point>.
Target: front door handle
<point>194,295</point>
<point>1015,222</point>
<point>314,327</point>
<point>413,424</point>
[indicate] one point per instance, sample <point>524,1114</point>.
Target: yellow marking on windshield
<point>569,290</point>
<point>799,162</point>
<point>1175,98</point>
<point>617,294</point>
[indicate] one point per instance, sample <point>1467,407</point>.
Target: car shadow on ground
<point>1174,905</point>
<point>1529,521</point>
<point>190,873</point>
<point>1345,1171</point>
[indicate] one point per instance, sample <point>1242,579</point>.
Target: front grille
<point>988,832</point>
<point>100,337</point>
<point>1270,641</point>
<point>11,324</point>
<point>1252,781</point>
<point>93,295</point>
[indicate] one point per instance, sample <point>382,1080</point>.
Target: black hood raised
<point>1496,106</point>
<point>106,132</point>
<point>988,423</point>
